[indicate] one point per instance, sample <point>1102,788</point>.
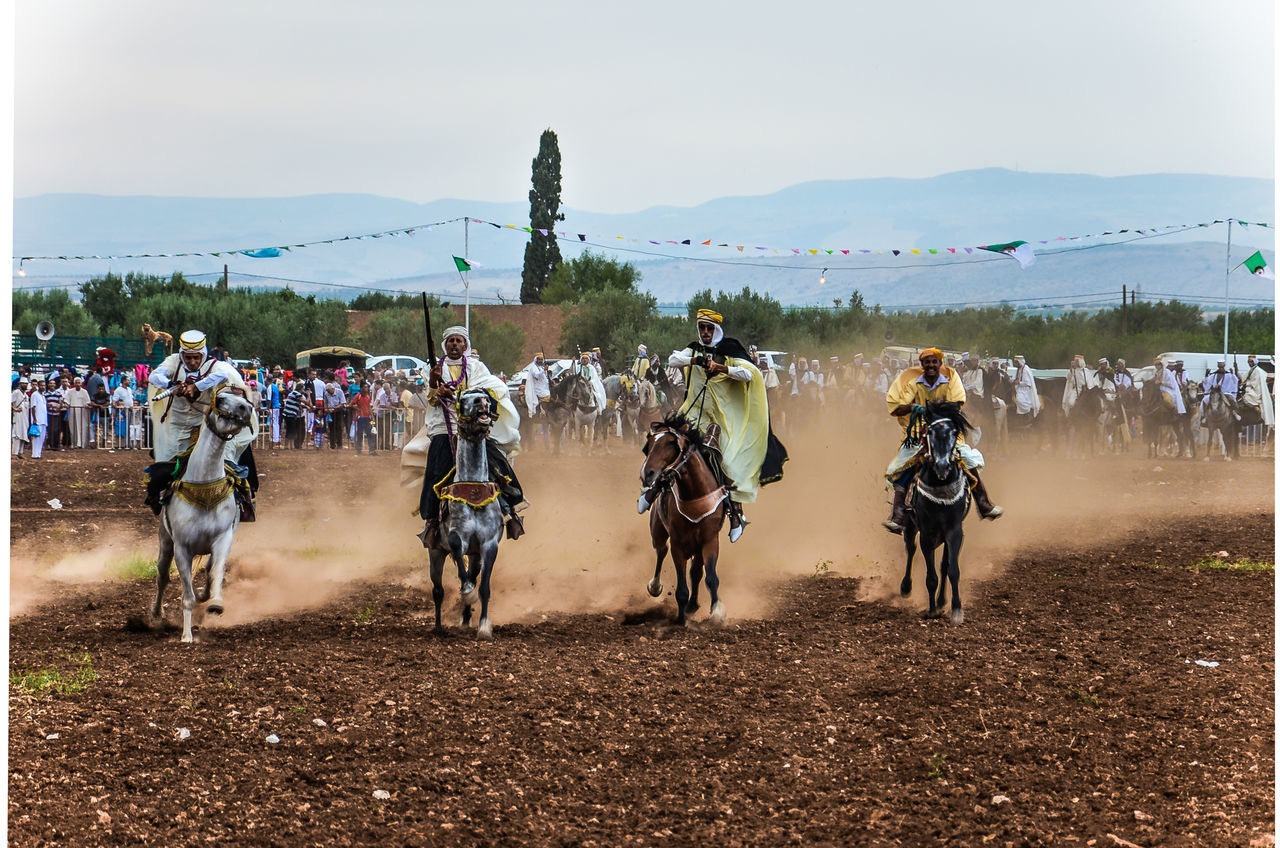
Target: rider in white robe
<point>1079,380</point>
<point>537,384</point>
<point>1026,398</point>
<point>1256,393</point>
<point>1221,379</point>
<point>1168,384</point>
<point>589,371</point>
<point>181,416</point>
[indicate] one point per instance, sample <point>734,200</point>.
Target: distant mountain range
<point>957,210</point>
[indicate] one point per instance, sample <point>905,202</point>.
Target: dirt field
<point>1073,706</point>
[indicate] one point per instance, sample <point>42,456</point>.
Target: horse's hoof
<point>470,594</point>
<point>654,588</point>
<point>905,588</point>
<point>957,616</point>
<point>214,608</point>
<point>717,613</point>
<point>484,632</point>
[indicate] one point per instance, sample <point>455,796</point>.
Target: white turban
<point>457,330</point>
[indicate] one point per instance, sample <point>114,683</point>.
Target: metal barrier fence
<point>130,429</point>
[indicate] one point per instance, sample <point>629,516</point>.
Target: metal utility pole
<point>466,284</point>
<point>1226,318</point>
<point>225,276</point>
<point>1124,309</point>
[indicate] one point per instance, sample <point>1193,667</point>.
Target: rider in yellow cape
<point>724,387</point>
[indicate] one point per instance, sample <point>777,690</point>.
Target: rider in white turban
<point>192,376</point>
<point>427,459</point>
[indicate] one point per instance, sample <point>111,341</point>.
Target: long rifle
<point>431,340</point>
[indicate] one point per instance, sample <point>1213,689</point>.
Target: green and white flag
<point>1258,266</point>
<point>1018,250</point>
<point>463,265</point>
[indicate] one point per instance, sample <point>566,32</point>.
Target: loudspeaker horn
<point>888,335</point>
<point>44,331</point>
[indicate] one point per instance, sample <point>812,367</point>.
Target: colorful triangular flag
<point>1019,250</point>
<point>463,265</point>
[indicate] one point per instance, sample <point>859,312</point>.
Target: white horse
<point>472,521</point>
<point>202,515</point>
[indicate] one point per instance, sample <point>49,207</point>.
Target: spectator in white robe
<point>21,416</point>
<point>77,403</point>
<point>39,419</point>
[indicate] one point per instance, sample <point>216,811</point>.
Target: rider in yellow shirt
<point>929,382</point>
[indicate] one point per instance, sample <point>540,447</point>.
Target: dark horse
<point>1220,414</point>
<point>1156,415</point>
<point>937,503</point>
<point>688,510</point>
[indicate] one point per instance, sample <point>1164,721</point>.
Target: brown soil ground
<point>1069,708</point>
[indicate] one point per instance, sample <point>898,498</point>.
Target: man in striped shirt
<point>53,400</point>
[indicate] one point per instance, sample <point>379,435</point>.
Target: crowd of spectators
<point>75,408</point>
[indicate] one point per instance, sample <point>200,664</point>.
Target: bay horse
<point>1089,420</point>
<point>471,524</point>
<point>1219,414</point>
<point>938,500</point>
<point>575,405</point>
<point>202,516</point>
<point>688,511</point>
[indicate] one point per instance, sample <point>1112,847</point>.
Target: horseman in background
<point>639,369</point>
<point>930,382</point>
<point>537,385</point>
<point>1227,382</point>
<point>193,376</point>
<point>429,455</point>
<point>1254,392</point>
<point>1079,380</point>
<point>597,363</point>
<point>1026,398</point>
<point>1169,388</point>
<point>726,400</point>
<point>588,370</point>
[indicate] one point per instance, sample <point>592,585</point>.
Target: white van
<point>397,362</point>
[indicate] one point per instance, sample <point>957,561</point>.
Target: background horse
<point>1089,420</point>
<point>471,525</point>
<point>688,510</point>
<point>1218,414</point>
<point>583,407</point>
<point>938,501</point>
<point>201,516</point>
<point>1156,415</point>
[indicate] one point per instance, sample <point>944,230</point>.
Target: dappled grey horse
<point>471,524</point>
<point>201,517</point>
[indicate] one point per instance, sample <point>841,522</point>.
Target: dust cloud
<point>326,526</point>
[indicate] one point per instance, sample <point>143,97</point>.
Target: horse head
<point>668,442</point>
<point>477,409</point>
<point>229,413</point>
<point>945,423</point>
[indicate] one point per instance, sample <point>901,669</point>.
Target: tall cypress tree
<point>542,253</point>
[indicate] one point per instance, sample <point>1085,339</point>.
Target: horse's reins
<point>665,478</point>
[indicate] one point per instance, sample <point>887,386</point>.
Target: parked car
<point>396,362</point>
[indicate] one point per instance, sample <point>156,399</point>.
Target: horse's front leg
<point>218,568</point>
<point>163,563</point>
<point>487,556</point>
<point>696,566</point>
<point>928,547</point>
<point>710,555</point>
<point>909,541</point>
<point>182,555</point>
<point>951,562</point>
<point>467,584</point>
<point>658,533</point>
<point>680,560</point>
<point>436,559</point>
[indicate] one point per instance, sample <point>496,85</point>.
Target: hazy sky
<point>654,103</point>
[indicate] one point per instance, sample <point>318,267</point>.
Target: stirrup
<point>430,534</point>
<point>515,526</point>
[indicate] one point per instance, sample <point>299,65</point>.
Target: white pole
<point>1226,319</point>
<point>466,284</point>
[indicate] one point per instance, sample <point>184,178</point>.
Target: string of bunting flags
<point>258,252</point>
<point>1021,251</point>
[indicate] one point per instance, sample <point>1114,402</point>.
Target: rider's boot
<point>248,513</point>
<point>737,521</point>
<point>986,509</point>
<point>897,519</point>
<point>430,534</point>
<point>515,524</point>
